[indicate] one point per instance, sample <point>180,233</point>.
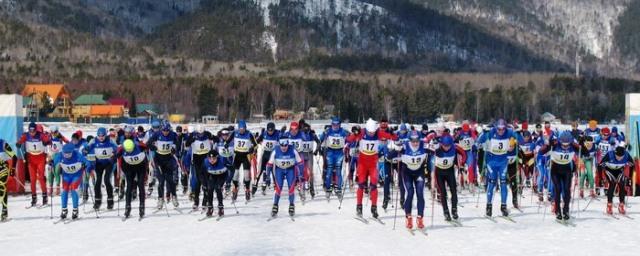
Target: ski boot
<point>175,202</point>
<point>540,198</point>
<point>274,210</point>
<point>97,203</point>
<point>419,222</point>
<point>74,214</point>
<point>160,203</point>
<point>339,194</point>
<point>150,190</point>
<point>57,191</point>
<point>209,211</point>
<point>592,193</point>
<point>5,215</point>
<point>63,214</point>
<point>488,211</point>
<point>566,216</point>
<point>44,199</point>
<point>359,210</point>
<point>292,210</point>
<point>85,198</point>
<point>109,203</point>
<point>141,211</point>
<point>34,200</point>
<point>264,189</point>
<point>185,189</point>
<point>234,194</point>
<point>220,210</point>
<point>454,213</point>
<point>409,222</point>
<point>194,207</point>
<point>598,192</point>
<point>247,195</point>
<point>254,189</point>
<point>558,216</point>
<point>127,211</point>
<point>374,211</point>
<point>503,209</point>
<point>447,216</point>
<point>610,208</point>
<point>515,203</point>
<point>312,192</point>
<point>621,209</point>
<point>581,193</point>
<point>385,203</point>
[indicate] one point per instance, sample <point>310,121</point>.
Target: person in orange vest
<point>35,142</point>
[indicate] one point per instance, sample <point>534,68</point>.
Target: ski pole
<point>342,187</point>
<point>93,198</point>
<point>395,215</point>
<point>433,194</point>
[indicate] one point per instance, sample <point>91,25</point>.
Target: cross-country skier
<point>57,141</point>
<point>200,142</point>
<point>309,140</point>
<point>334,141</point>
<point>368,141</point>
<point>412,168</point>
<point>134,164</point>
<point>104,150</point>
<point>6,154</point>
<point>216,168</point>
<point>614,164</point>
<point>268,139</point>
<point>605,144</point>
<point>244,147</point>
<point>527,156</point>
<point>563,151</point>
<point>586,165</point>
<point>496,162</point>
<point>352,147</point>
<point>163,144</point>
<point>34,145</point>
<point>446,157</point>
<point>71,166</point>
<point>287,164</point>
<point>465,139</point>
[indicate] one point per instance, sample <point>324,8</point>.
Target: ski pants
<point>413,182</point>
<point>214,185</point>
<point>198,178</point>
<point>166,173</point>
<point>36,167</point>
<point>367,168</point>
<point>240,159</point>
<point>135,174</point>
<point>561,177</point>
<point>70,184</point>
<point>103,170</point>
<point>290,176</point>
<point>543,175</point>
<point>616,179</point>
<point>514,180</point>
<point>334,167</point>
<point>495,172</point>
<point>586,173</point>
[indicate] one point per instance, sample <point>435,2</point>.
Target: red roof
<point>119,101</point>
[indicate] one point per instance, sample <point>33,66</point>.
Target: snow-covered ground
<point>320,228</point>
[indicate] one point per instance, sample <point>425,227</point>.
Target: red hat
<point>79,133</point>
<point>465,127</point>
<point>294,125</point>
<point>606,131</point>
<point>525,125</point>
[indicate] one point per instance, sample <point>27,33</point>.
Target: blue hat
<point>335,120</point>
<point>271,126</point>
<point>32,125</point>
<point>102,131</point>
<point>446,140</point>
<point>614,129</point>
<point>566,137</point>
<point>155,124</point>
<point>403,127</point>
<point>68,148</point>
<point>414,135</point>
<point>242,124</point>
<point>166,127</point>
<point>501,124</point>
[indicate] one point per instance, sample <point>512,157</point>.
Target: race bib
<point>56,147</point>
<point>297,144</point>
<point>433,146</point>
<point>268,145</point>
<point>525,149</point>
<point>562,158</point>
<point>91,157</point>
<point>35,147</point>
<point>466,144</point>
<point>225,152</point>
<point>444,163</point>
<point>71,168</point>
<point>103,153</point>
<point>369,147</point>
<point>201,147</point>
<point>335,142</point>
<point>216,171</point>
<point>284,163</point>
<point>499,147</point>
<point>307,146</point>
<point>604,147</point>
<point>414,162</point>
<point>164,147</point>
<point>135,159</point>
<point>241,145</point>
